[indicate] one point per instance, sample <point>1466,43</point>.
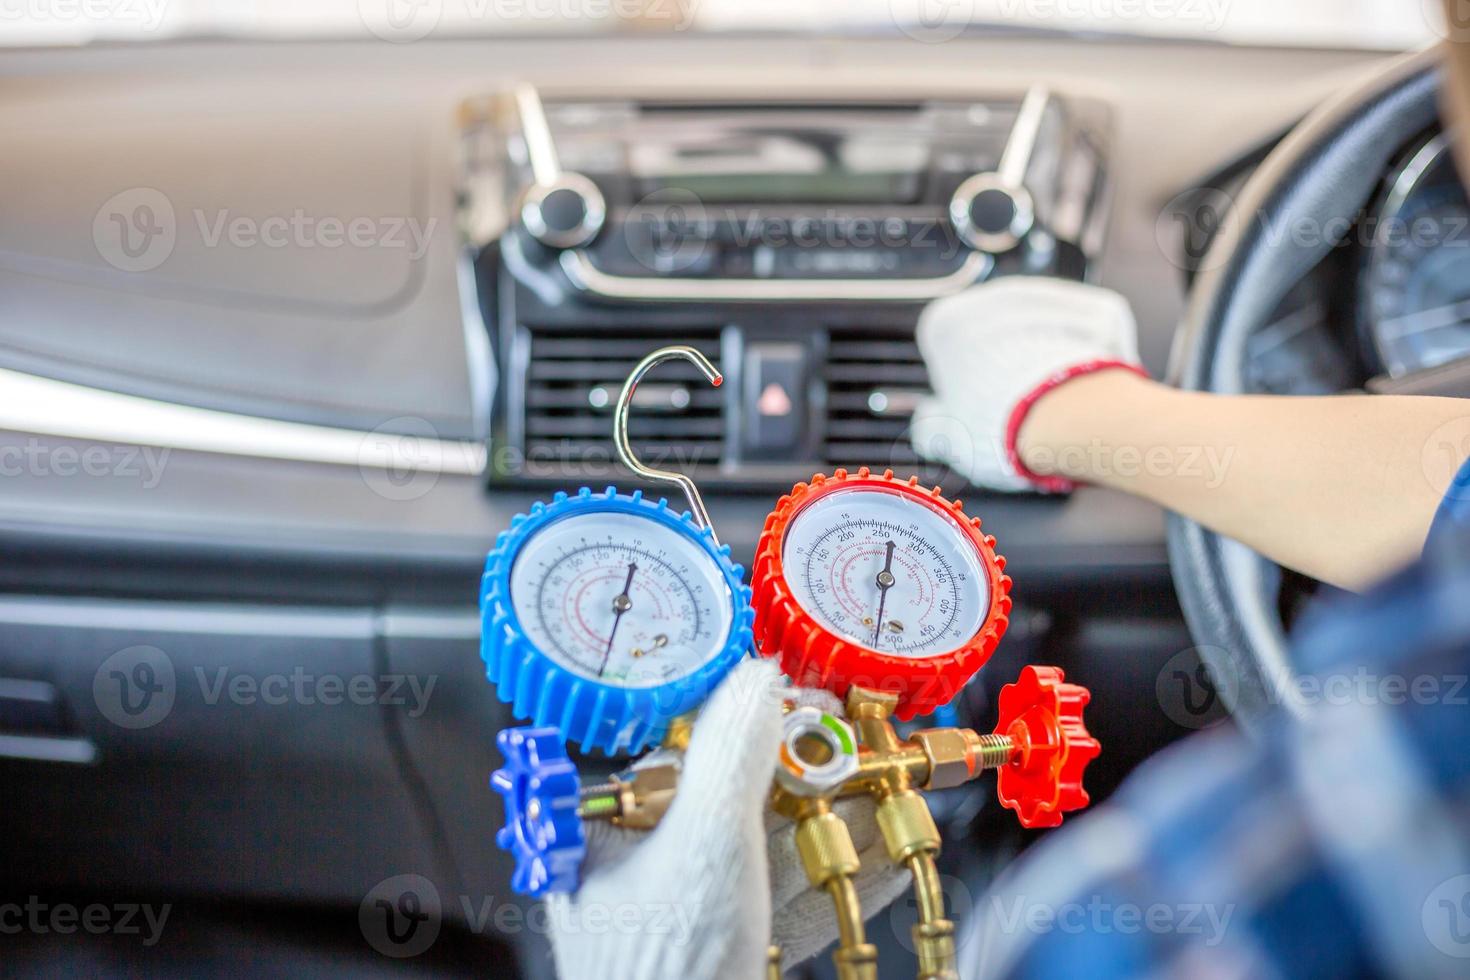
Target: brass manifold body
<point>888,769</point>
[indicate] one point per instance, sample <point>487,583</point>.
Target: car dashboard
<point>295,305</point>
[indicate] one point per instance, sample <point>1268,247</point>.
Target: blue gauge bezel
<point>589,712</point>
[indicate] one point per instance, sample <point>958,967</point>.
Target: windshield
<point>1382,24</point>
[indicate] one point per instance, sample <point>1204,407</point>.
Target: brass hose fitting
<point>830,860</point>
<point>934,933</point>
<point>818,756</point>
<point>907,826</point>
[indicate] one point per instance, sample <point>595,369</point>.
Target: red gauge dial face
<point>878,583</point>
<point>885,571</point>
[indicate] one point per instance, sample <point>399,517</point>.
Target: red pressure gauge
<point>876,582</point>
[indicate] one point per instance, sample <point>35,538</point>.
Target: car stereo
<point>750,201</point>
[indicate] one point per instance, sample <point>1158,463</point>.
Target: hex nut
<point>949,754</point>
<point>802,775</point>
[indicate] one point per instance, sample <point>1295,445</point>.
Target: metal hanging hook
<point>620,426</point>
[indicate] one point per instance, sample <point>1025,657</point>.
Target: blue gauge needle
<point>885,582</point>
<point>621,603</point>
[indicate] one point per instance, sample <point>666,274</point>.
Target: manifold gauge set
<point>609,617</point>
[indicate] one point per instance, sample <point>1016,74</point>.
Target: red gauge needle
<point>885,582</point>
<point>621,603</point>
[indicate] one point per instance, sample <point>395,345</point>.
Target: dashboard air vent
<point>875,378</point>
<point>572,384</point>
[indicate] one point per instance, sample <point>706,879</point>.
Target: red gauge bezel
<point>813,656</point>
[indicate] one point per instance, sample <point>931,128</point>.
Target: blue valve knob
<point>542,829</point>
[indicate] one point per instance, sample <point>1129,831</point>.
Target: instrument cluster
<point>1414,287</point>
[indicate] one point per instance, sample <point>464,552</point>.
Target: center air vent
<point>572,385</point>
<point>875,378</point>
<point>872,378</point>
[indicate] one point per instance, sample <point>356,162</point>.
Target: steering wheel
<point>1323,171</point>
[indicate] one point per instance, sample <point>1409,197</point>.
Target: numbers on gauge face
<point>886,571</point>
<point>620,598</point>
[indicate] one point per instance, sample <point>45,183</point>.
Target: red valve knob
<point>1042,716</point>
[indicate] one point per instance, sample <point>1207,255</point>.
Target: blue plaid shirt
<point>1338,845</point>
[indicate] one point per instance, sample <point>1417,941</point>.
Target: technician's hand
<point>693,898</point>
<point>993,350</point>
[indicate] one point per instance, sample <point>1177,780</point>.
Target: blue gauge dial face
<point>621,599</point>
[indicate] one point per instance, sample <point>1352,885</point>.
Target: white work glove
<point>693,898</point>
<point>993,350</point>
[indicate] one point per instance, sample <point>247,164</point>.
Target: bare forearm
<point>1341,488</point>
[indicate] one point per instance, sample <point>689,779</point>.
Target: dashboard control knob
<point>1041,715</point>
<point>566,213</point>
<point>991,214</point>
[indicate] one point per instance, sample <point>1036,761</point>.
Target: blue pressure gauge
<point>607,615</point>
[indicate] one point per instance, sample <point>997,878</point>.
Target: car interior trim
<point>161,616</point>
<point>45,406</point>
